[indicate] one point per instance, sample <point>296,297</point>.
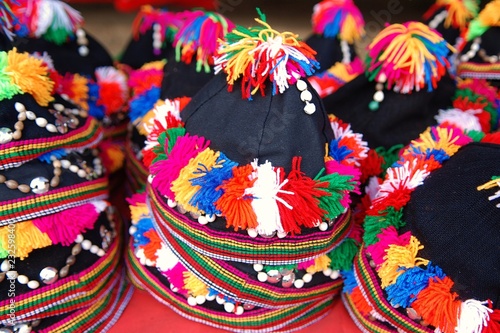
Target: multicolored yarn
<point>408,280</point>
<point>260,54</point>
<point>7,18</point>
<point>459,12</point>
<point>488,17</point>
<point>149,18</point>
<point>198,36</point>
<point>22,73</point>
<point>112,90</point>
<point>338,18</point>
<point>329,81</point>
<point>407,57</point>
<point>53,20</point>
<point>479,70</point>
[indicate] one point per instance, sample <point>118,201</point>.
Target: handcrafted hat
<point>153,32</point>
<point>58,244</point>
<point>430,261</point>
<point>54,27</point>
<point>451,18</point>
<point>158,88</point>
<point>337,26</point>
<point>480,57</point>
<point>404,86</point>
<point>245,221</point>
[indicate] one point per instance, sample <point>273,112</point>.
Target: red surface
<point>145,314</point>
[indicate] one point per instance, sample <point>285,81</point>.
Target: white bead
<point>258,267</point>
<point>80,33</point>
<point>378,96</point>
<point>157,44</point>
<point>229,307</point>
<point>156,27</point>
<point>74,168</point>
<point>211,217</point>
<point>335,275</point>
<point>83,51</point>
<point>30,115</point>
<point>19,107</point>
<point>464,58</point>
<point>220,300</point>
<point>81,173</point>
<point>298,283</point>
<point>101,253</point>
<point>493,59</point>
<point>474,47</point>
<point>252,232</point>
<point>59,107</point>
<point>328,271</point>
<point>301,85</point>
<point>282,234</point>
<point>41,122</point>
<point>200,299</point>
<point>79,238</point>
<point>156,35</point>
<point>22,328</point>
<point>65,164</point>
<point>210,297</point>
<point>33,284</point>
<point>307,277</point>
<point>5,266</point>
<point>171,203</point>
<point>93,249</point>
<point>306,96</point>
<point>323,226</point>
<point>262,276</point>
<point>11,275</point>
<point>51,128</point>
<point>310,108</point>
<point>202,219</point>
<point>86,244</point>
<point>23,279</point>
<point>191,301</point>
<point>150,178</point>
<point>132,230</point>
<point>239,310</point>
<point>382,78</point>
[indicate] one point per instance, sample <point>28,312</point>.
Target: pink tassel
<point>332,166</point>
<point>63,227</point>
<point>166,171</point>
<point>176,277</point>
<point>304,265</point>
<point>387,237</point>
<point>137,198</point>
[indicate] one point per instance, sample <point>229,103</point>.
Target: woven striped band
<point>239,247</point>
<point>479,71</point>
<point>363,323</point>
<point>74,292</point>
<point>15,153</point>
<point>116,132</point>
<point>33,206</point>
<point>137,173</point>
<point>257,320</point>
<point>102,314</point>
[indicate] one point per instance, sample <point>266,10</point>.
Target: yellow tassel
<point>194,286</point>
<point>445,142</point>
<point>182,187</point>
<point>491,184</point>
<point>458,12</point>
<point>490,15</point>
<point>350,31</point>
<point>340,71</point>
<point>154,65</point>
<point>27,238</point>
<point>80,91</point>
<point>398,257</point>
<point>147,120</point>
<point>320,264</point>
<point>31,75</point>
<point>138,211</point>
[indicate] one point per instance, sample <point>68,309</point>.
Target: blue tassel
<point>95,110</point>
<point>407,286</point>
<point>205,198</point>
<point>58,153</point>
<point>143,225</point>
<point>338,153</point>
<point>141,104</point>
<point>332,29</point>
<point>349,281</point>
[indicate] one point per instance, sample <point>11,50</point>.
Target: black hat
<point>404,86</point>
<point>337,26</point>
<point>430,257</point>
<point>230,222</point>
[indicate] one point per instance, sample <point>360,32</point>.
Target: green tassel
<point>167,138</point>
<point>476,136</point>
<point>374,224</point>
<point>3,252</point>
<point>343,255</point>
<point>57,35</point>
<point>338,185</point>
<point>476,29</point>
<point>7,88</point>
<point>390,156</point>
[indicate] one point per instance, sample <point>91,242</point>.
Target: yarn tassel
<point>166,142</point>
<point>7,18</point>
<point>301,194</point>
<point>488,17</point>
<point>360,303</point>
<point>374,224</point>
<point>63,227</point>
<point>208,184</point>
<point>193,285</point>
<point>494,323</point>
<point>386,237</point>
<point>30,75</point>
<point>28,237</point>
<point>235,203</point>
<point>335,187</point>
<point>474,316</point>
<point>166,171</point>
<point>459,12</point>
<point>321,263</point>
<point>343,255</point>
<point>7,87</point>
<point>113,89</point>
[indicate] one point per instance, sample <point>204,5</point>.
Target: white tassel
<point>100,205</point>
<point>474,316</point>
<point>465,120</point>
<point>110,74</point>
<point>372,187</point>
<point>161,112</point>
<point>57,14</point>
<point>166,259</point>
<point>404,176</point>
<point>46,58</point>
<point>265,196</point>
<point>340,132</point>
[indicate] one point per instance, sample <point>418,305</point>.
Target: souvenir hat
<point>244,224</point>
<point>428,261</point>
<point>337,25</point>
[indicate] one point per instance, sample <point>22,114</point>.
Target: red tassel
<point>494,323</point>
<point>371,165</point>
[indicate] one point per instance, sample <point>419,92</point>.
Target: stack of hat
<point>53,30</point>
<point>163,87</point>
<point>245,221</point>
<point>430,257</point>
<point>60,269</point>
<point>480,57</point>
